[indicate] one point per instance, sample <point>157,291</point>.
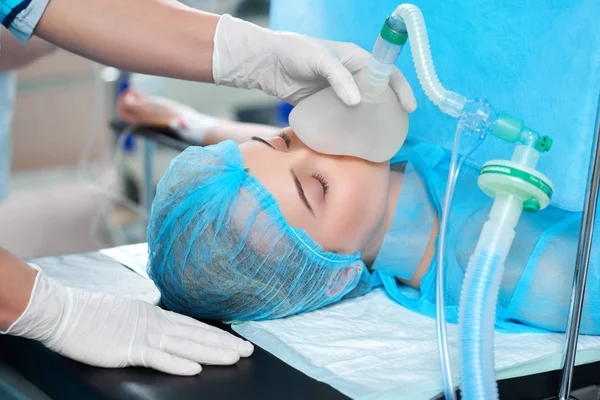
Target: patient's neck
<point>369,253</point>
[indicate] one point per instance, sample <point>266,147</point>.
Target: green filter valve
<point>531,206</point>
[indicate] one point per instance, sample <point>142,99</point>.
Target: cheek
<point>277,181</point>
<point>357,212</point>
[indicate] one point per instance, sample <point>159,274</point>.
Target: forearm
<point>16,283</point>
<point>197,128</point>
<point>16,55</point>
<point>240,132</point>
<point>204,130</point>
<point>160,37</point>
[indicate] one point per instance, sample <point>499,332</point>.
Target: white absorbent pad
<point>133,256</point>
<point>97,272</point>
<point>372,348</point>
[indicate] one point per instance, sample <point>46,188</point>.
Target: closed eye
<point>286,138</point>
<point>323,182</point>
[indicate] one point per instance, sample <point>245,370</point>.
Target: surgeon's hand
<point>291,66</point>
<point>109,331</point>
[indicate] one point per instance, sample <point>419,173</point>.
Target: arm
<point>197,128</point>
<point>105,330</point>
<point>16,55</point>
<point>205,130</point>
<point>16,283</point>
<point>238,131</point>
<point>164,37</point>
<point>161,37</point>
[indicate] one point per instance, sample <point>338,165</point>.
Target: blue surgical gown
<point>536,287</point>
<point>21,16</point>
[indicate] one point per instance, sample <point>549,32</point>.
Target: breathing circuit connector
<point>544,144</point>
<point>512,129</point>
<point>477,117</point>
<point>514,185</point>
<point>507,127</point>
<point>408,17</point>
<point>397,34</point>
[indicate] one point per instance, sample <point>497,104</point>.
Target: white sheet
<point>370,347</point>
<point>133,256</point>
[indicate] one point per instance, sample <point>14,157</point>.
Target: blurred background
<point>74,187</point>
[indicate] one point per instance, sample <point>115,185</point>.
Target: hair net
<point>220,247</point>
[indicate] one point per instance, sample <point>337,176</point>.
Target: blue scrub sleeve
<point>7,97</point>
<point>21,16</point>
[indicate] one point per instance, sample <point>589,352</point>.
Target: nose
<point>279,144</point>
<point>308,155</point>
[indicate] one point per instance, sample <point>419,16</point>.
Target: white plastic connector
<point>452,103</point>
<point>374,79</point>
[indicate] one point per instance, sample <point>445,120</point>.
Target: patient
<point>258,226</point>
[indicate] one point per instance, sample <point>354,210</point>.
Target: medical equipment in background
<point>514,185</point>
<point>584,249</point>
<point>139,162</point>
<point>89,173</point>
<point>108,198</point>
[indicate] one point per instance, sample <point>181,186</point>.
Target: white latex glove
<point>109,331</point>
<point>291,66</point>
<point>354,58</point>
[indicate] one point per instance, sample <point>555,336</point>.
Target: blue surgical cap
<point>220,247</point>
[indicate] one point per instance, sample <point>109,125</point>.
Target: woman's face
<point>339,201</point>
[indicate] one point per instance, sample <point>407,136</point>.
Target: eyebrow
<point>300,190</point>
<point>263,141</point>
<point>299,187</point>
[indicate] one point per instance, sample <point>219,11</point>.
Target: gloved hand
<point>109,331</point>
<point>291,66</point>
<point>354,58</point>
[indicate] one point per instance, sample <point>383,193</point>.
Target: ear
<point>343,278</point>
